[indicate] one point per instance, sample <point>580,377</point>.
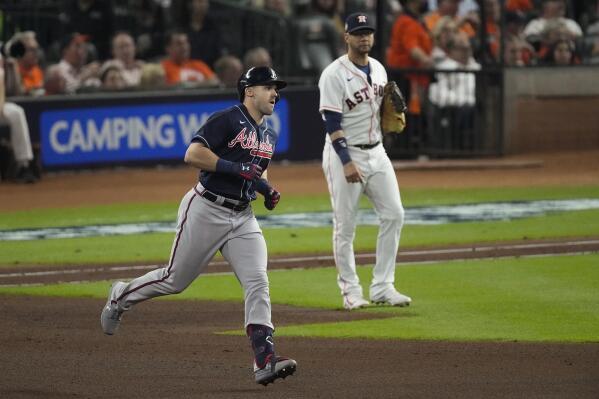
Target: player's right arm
<point>331,107</point>
<point>350,169</point>
<point>201,157</point>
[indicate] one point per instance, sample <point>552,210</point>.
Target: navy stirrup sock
<point>262,343</point>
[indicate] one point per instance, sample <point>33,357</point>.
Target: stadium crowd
<point>178,43</point>
<point>123,45</point>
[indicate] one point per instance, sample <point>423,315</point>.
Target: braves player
<point>232,150</point>
<point>355,162</point>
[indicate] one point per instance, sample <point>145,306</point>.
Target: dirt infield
<point>54,347</point>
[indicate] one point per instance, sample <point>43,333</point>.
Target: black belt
<point>366,146</point>
<point>210,196</point>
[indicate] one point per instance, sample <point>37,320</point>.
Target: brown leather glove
<point>393,108</point>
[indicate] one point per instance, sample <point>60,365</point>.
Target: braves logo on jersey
<point>232,135</point>
<point>250,141</point>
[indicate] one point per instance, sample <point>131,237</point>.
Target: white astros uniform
<point>344,88</point>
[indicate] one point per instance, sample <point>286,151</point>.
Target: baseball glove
<point>393,108</point>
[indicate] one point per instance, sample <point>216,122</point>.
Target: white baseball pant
<point>14,115</point>
<point>381,188</point>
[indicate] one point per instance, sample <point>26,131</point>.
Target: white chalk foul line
<point>328,258</point>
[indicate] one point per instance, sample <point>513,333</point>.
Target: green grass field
<point>525,299</point>
<point>155,248</point>
<point>167,211</point>
<point>553,298</point>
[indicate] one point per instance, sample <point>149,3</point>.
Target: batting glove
<point>271,196</point>
<point>272,199</point>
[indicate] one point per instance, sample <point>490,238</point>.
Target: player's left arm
<point>271,195</point>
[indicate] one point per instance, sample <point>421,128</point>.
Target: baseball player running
<point>355,162</point>
<point>232,150</point>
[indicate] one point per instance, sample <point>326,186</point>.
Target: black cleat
<point>278,367</point>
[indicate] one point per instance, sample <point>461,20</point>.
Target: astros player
<point>232,150</point>
<point>355,162</point>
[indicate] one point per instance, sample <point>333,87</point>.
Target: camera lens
<point>17,49</point>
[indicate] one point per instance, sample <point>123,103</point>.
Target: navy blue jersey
<point>234,136</point>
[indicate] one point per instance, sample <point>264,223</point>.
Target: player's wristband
<point>262,187</point>
<point>340,146</point>
<point>224,166</point>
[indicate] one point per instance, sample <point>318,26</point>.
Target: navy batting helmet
<point>258,76</point>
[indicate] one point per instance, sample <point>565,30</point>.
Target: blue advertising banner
<point>134,132</point>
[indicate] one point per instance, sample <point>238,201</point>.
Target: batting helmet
<point>259,76</point>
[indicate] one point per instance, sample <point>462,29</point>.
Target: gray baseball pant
<point>203,228</point>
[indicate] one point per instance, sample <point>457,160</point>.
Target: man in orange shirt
<point>449,8</point>
<point>180,69</point>
<point>524,6</point>
<point>32,77</point>
<point>410,47</point>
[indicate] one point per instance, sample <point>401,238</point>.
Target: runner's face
<point>264,98</point>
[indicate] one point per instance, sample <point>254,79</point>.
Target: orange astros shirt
<point>32,78</point>
<point>188,71</point>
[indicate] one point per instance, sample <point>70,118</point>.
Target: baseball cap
<point>358,21</point>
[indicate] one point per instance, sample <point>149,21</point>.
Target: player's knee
<point>395,216</point>
<point>177,286</point>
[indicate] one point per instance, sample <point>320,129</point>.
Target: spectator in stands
<point>228,68</point>
<point>257,56</point>
<point>554,31</point>
<point>123,52</point>
<point>444,30</point>
<point>410,47</point>
<point>469,9</point>
<point>54,81</point>
<point>552,10</point>
<point>152,77</point>
<point>492,22</point>
<point>180,68</point>
<point>561,53</point>
<point>513,52</point>
<point>12,75</point>
<point>449,8</point>
<point>73,67</point>
<point>93,18</point>
<point>456,89</point>
<point>202,30</point>
<point>112,78</point>
<point>14,115</point>
<point>151,21</point>
<point>591,40</point>
<point>329,8</point>
<point>32,76</point>
<point>453,97</point>
<point>280,7</point>
<point>464,6</point>
<point>522,7</point>
<point>520,52</point>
